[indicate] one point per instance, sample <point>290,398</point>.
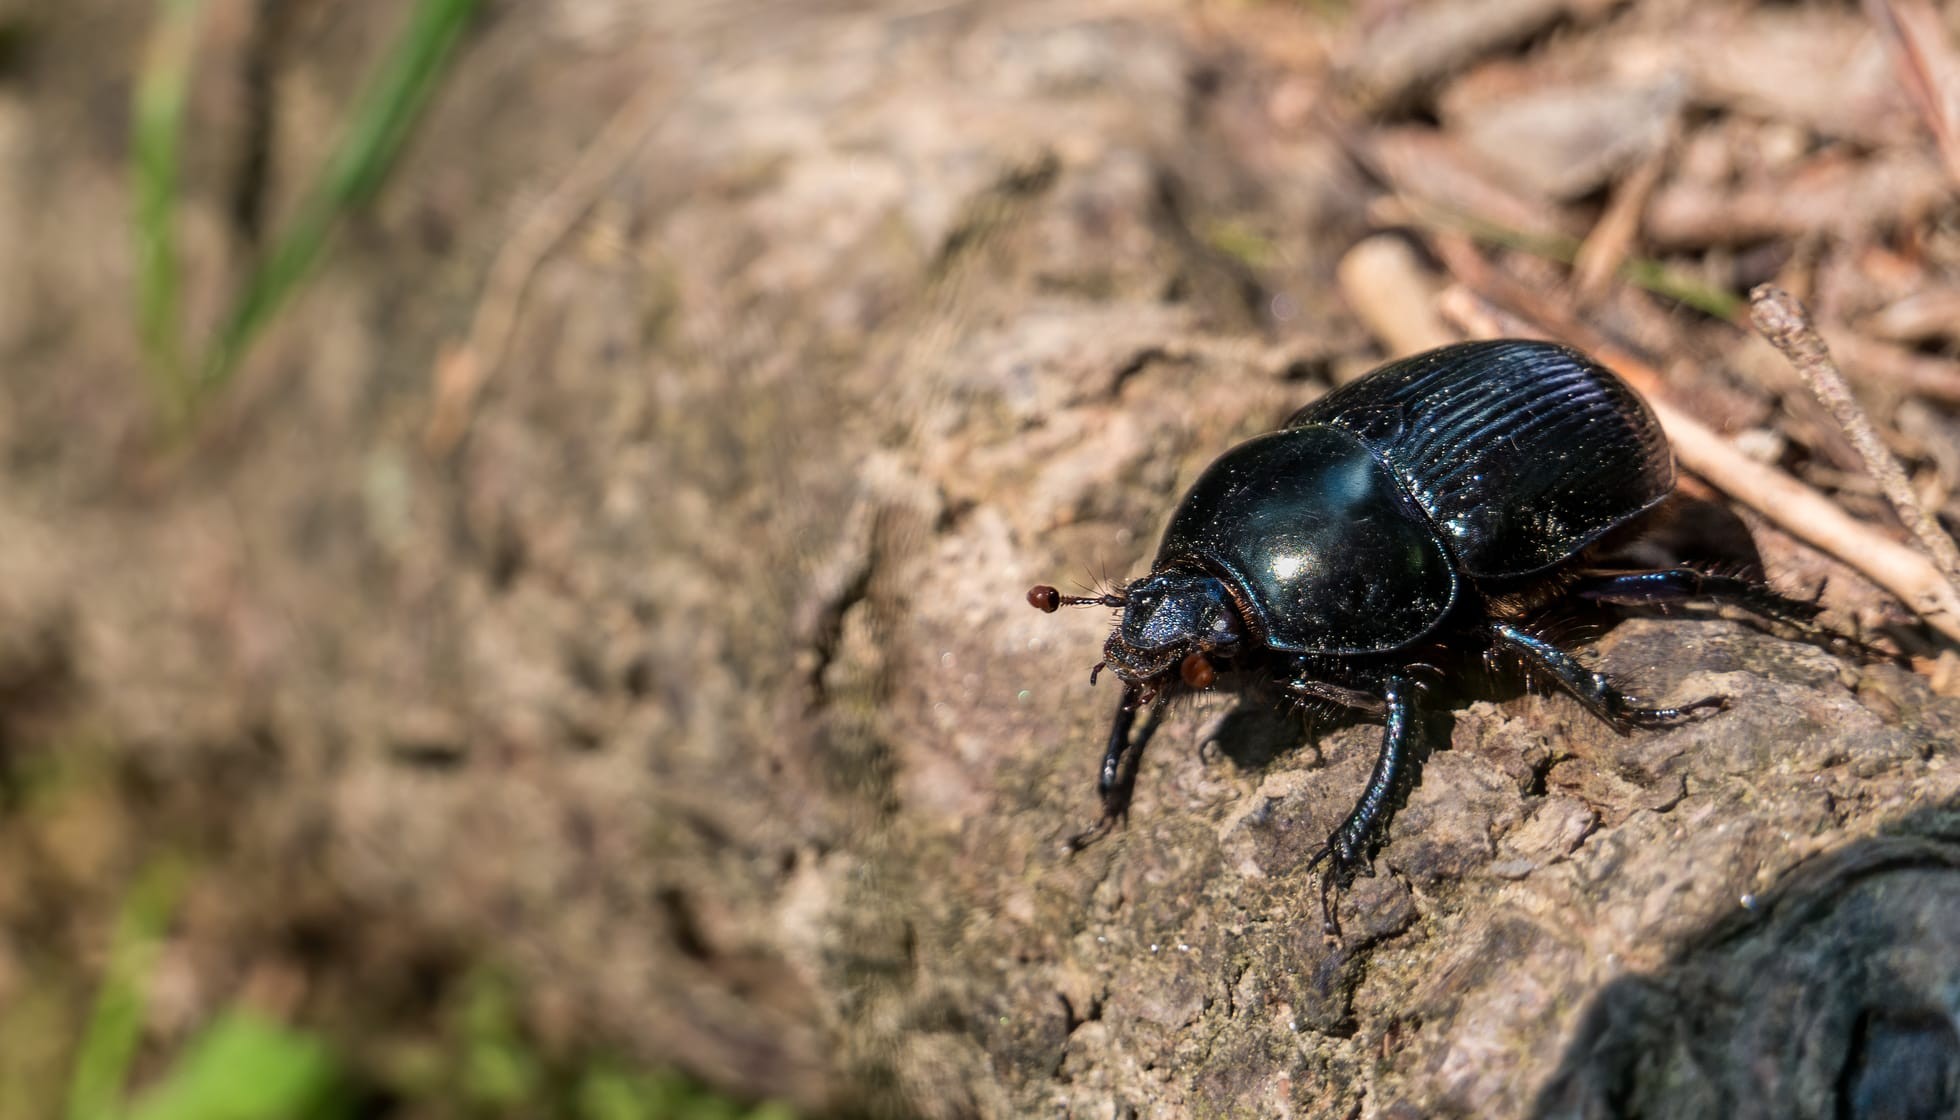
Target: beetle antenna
<point>1048,600</point>
<point>1106,583</point>
<point>1097,582</point>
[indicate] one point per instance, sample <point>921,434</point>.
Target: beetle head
<point>1176,620</point>
<point>1173,621</point>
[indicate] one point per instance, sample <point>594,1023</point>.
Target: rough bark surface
<point>697,685</point>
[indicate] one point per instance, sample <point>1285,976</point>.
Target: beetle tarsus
<point>1103,827</point>
<point>1330,923</point>
<point>1668,717</point>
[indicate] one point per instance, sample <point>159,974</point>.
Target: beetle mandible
<point>1424,512</point>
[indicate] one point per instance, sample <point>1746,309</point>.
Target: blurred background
<point>514,519</point>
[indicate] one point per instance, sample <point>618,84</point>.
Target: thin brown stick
<point>1606,248</point>
<point>1810,516</point>
<point>1789,504</point>
<point>1913,31</point>
<point>463,368</point>
<point>1782,319</point>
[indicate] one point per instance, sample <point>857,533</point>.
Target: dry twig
<point>1400,60</point>
<point>1811,517</point>
<point>1913,33</point>
<point>1387,288</point>
<point>1895,368</point>
<point>1606,248</point>
<point>1928,314</point>
<point>1784,321</point>
<point>1830,193</point>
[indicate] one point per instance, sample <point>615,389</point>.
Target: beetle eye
<point>1223,632</point>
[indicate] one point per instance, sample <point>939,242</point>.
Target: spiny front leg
<point>1336,694</point>
<point>1116,780</point>
<point>1350,849</point>
<point>1595,690</point>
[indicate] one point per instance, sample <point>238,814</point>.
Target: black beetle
<point>1424,512</point>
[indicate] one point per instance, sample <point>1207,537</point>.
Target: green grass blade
<point>242,1067</point>
<point>158,115</point>
<point>116,1026</point>
<point>1661,280</point>
<point>385,113</point>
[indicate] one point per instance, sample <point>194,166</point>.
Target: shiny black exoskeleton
<point>1422,513</point>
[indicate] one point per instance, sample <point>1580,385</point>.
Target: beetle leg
<point>1350,848</point>
<point>1595,690</point>
<point>1117,779</point>
<point>1679,585</point>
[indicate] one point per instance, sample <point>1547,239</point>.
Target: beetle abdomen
<point>1521,453</point>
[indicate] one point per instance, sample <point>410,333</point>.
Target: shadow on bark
<point>1837,994</point>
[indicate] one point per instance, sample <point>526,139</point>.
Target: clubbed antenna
<point>1045,598</point>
